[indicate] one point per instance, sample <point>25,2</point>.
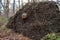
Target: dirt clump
<point>42,18</point>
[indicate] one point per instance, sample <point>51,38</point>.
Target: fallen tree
<point>35,20</point>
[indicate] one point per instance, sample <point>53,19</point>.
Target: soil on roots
<point>43,18</point>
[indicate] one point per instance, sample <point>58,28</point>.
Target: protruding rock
<point>24,16</point>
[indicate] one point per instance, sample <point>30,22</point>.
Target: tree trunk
<point>28,1</point>
<point>22,2</point>
<point>51,0</point>
<point>45,0</point>
<point>19,3</point>
<point>7,8</point>
<point>33,0</point>
<point>0,5</point>
<point>14,6</point>
<point>4,8</point>
<point>36,0</point>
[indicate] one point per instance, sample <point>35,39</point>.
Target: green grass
<point>3,19</point>
<point>51,36</point>
<point>5,29</point>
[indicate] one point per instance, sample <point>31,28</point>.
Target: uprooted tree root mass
<point>42,18</point>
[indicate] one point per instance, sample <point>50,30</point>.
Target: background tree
<point>0,5</point>
<point>58,1</point>
<point>36,0</point>
<point>7,8</point>
<point>22,3</point>
<point>13,6</point>
<point>28,1</point>
<point>19,3</point>
<point>45,0</point>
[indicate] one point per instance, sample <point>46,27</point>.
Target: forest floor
<point>8,34</point>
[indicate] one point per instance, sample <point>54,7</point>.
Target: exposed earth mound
<point>39,19</point>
